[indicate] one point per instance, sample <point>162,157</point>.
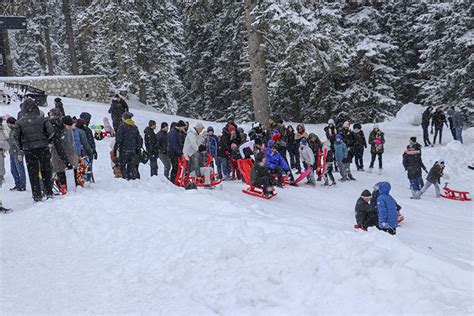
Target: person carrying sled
<point>260,175</point>
<point>376,141</point>
<point>198,168</point>
<point>162,148</point>
<point>413,165</point>
<point>425,124</point>
<point>359,145</point>
<point>307,157</point>
<point>434,178</point>
<point>151,146</point>
<point>340,155</point>
<point>276,164</point>
<point>438,121</point>
<point>128,144</point>
<point>387,209</point>
<point>366,215</point>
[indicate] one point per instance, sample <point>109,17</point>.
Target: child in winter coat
<point>387,209</point>
<point>366,215</point>
<point>331,131</point>
<point>198,168</point>
<point>108,130</point>
<point>234,156</point>
<point>434,178</point>
<point>260,176</point>
<point>329,164</point>
<point>413,164</point>
<point>300,134</point>
<point>376,141</point>
<point>275,163</point>
<point>340,154</point>
<point>359,145</point>
<point>307,156</point>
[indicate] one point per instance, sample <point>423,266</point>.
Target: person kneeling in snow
<point>387,209</point>
<point>198,168</point>
<point>434,178</point>
<point>260,176</point>
<point>366,215</point>
<point>307,156</point>
<point>276,164</point>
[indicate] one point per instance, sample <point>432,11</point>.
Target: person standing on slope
<point>17,168</point>
<point>359,145</point>
<point>128,144</point>
<point>58,104</point>
<point>307,156</point>
<point>340,155</point>
<point>193,140</point>
<point>162,144</point>
<point>439,119</point>
<point>376,141</point>
<point>116,110</point>
<point>413,164</point>
<point>425,124</point>
<point>175,148</point>
<point>434,178</point>
<point>151,146</point>
<point>458,124</point>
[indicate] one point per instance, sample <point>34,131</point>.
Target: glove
<point>94,155</point>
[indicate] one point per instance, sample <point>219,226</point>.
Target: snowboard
<point>303,175</point>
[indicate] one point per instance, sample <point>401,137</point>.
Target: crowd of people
<point>57,143</point>
<point>452,119</point>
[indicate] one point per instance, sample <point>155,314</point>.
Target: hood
<point>302,126</point>
<point>384,187</point>
<point>29,106</point>
<point>129,122</point>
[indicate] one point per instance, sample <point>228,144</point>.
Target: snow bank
<point>410,113</point>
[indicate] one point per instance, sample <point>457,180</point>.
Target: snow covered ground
<point>149,247</point>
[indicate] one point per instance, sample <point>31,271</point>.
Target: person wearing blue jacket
<point>212,144</point>
<point>387,209</point>
<point>275,163</point>
<point>340,155</point>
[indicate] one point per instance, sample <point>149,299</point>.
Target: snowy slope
<point>149,247</point>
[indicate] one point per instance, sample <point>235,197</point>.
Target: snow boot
<point>380,171</point>
<point>5,210</point>
<point>63,189</point>
<point>326,183</point>
<point>319,178</point>
<point>351,177</point>
<point>370,170</point>
<point>333,183</point>
<point>343,179</point>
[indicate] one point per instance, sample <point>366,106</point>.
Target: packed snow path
<point>148,247</point>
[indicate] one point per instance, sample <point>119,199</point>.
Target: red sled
<point>358,227</point>
<point>183,178</point>
<point>455,195</point>
<point>303,175</point>
<point>245,167</point>
<point>321,163</point>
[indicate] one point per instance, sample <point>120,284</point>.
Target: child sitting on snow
<point>366,215</point>
<point>387,209</point>
<point>198,168</point>
<point>434,178</point>
<point>259,175</point>
<point>307,157</point>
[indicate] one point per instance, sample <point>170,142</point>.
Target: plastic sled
<point>303,175</point>
<point>183,178</point>
<point>245,167</point>
<point>455,195</point>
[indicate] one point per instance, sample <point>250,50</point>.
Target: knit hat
<point>357,126</point>
<point>231,128</point>
<point>376,126</point>
<point>86,117</point>
<point>233,145</point>
<point>181,124</point>
<point>276,136</point>
<point>331,121</point>
<point>202,148</point>
<point>127,115</point>
<point>163,125</point>
<point>210,129</point>
<point>413,139</point>
<point>303,142</point>
<point>57,100</point>
<point>67,120</point>
<point>199,125</point>
<point>80,123</point>
<point>338,136</point>
<point>11,120</point>
<point>366,193</point>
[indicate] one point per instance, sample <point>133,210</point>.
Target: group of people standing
<point>437,118</point>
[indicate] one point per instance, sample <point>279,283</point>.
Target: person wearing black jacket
<point>162,148</point>
<point>116,110</point>
<point>89,134</point>
<point>175,147</point>
<point>413,164</point>
<point>439,118</point>
<point>260,176</point>
<point>425,124</point>
<point>128,144</point>
<point>366,215</point>
<point>360,143</point>
<point>33,134</point>
<point>58,104</point>
<point>59,156</point>
<point>291,146</point>
<point>151,146</point>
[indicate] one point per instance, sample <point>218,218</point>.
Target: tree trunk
<point>257,66</point>
<point>47,39</point>
<point>8,63</point>
<point>70,37</point>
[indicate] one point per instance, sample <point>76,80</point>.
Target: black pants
<point>372,161</point>
<point>438,130</point>
<point>174,166</point>
<point>166,163</point>
<point>359,158</point>
<point>39,160</point>
<point>328,174</point>
<point>264,182</point>
<point>295,160</point>
<point>129,163</point>
<point>153,165</point>
<point>426,135</point>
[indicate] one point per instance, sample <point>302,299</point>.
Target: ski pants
<point>428,184</point>
<point>310,176</point>
<point>265,182</point>
<point>165,160</point>
<point>174,166</point>
<point>372,160</point>
<point>39,160</point>
<point>129,163</point>
<point>225,167</point>
<point>295,160</point>
<point>342,169</point>
<point>426,135</point>
<point>17,169</point>
<point>438,131</point>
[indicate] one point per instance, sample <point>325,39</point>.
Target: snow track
<point>149,247</point>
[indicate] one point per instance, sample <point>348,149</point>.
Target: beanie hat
<point>127,115</point>
<point>231,128</point>
<point>338,136</point>
<point>276,136</point>
<point>413,139</point>
<point>233,146</point>
<point>331,121</point>
<point>366,193</point>
<point>357,126</point>
<point>57,100</point>
<point>163,125</point>
<point>210,129</point>
<point>304,142</point>
<point>181,124</point>
<point>202,148</point>
<point>67,120</point>
<point>86,117</point>
<point>11,120</point>
<point>80,123</point>
<point>199,125</point>
<point>376,126</point>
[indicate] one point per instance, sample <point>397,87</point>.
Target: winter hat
<point>357,126</point>
<point>127,116</point>
<point>338,136</point>
<point>199,125</point>
<point>231,128</point>
<point>366,194</point>
<point>67,120</point>
<point>202,148</point>
<point>86,117</point>
<point>163,125</point>
<point>80,123</point>
<point>346,124</point>
<point>304,142</point>
<point>256,125</point>
<point>57,100</point>
<point>233,146</point>
<point>181,124</point>
<point>413,139</point>
<point>11,120</point>
<point>276,136</point>
<point>331,121</point>
<point>210,129</point>
<point>376,126</point>
<point>441,161</point>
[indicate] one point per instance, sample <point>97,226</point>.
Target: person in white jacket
<point>3,148</point>
<point>193,140</point>
<point>307,157</point>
